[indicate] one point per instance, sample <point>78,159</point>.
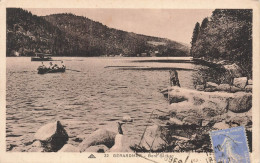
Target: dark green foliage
<point>71,35</point>
<point>226,36</point>
<point>204,23</point>
<point>27,33</point>
<point>195,33</point>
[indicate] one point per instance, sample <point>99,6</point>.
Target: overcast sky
<point>174,24</point>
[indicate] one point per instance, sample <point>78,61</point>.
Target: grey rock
<point>241,102</point>
<point>152,139</point>
<point>52,136</point>
<point>240,82</point>
<point>239,119</point>
<point>37,144</point>
<point>100,136</point>
<point>234,70</point>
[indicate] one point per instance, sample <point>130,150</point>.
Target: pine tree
<point>204,23</point>
<point>195,33</point>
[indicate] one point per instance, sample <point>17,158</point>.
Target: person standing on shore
<point>174,79</point>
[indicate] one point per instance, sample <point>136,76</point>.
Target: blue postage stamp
<point>230,145</point>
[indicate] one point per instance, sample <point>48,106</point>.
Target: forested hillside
<point>71,35</point>
<point>226,35</point>
<point>27,33</point>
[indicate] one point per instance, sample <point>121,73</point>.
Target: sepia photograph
<point>130,80</point>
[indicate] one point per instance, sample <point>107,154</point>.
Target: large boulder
<point>69,148</point>
<point>240,102</point>
<point>234,70</point>
<point>152,140</point>
<point>100,136</point>
<point>240,82</point>
<point>97,148</point>
<point>52,136</point>
<point>121,144</point>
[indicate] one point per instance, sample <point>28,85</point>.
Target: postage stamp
<point>230,145</point>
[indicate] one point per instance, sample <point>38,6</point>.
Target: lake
<point>94,93</point>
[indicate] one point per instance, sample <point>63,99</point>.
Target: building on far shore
<point>15,53</point>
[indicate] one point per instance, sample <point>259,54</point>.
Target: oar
<point>73,70</point>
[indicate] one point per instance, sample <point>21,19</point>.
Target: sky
<point>174,24</point>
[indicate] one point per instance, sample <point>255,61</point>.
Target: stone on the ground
<point>223,87</point>
<point>211,85</point>
<point>249,88</point>
<point>152,140</point>
<point>240,119</point>
<point>127,118</point>
<point>234,70</point>
<point>97,148</point>
<point>35,149</point>
<point>221,125</point>
<point>250,82</point>
<point>69,148</point>
<point>234,89</point>
<point>52,136</point>
<point>175,121</point>
<point>100,136</point>
<point>240,82</point>
<point>36,144</point>
<point>121,144</point>
<point>200,87</point>
<point>240,102</point>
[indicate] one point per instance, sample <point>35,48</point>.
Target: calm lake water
<point>95,93</point>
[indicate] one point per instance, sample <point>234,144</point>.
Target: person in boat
<point>51,65</point>
<point>62,64</point>
<point>55,67</point>
<point>42,66</point>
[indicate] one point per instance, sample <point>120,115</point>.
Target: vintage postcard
<point>133,81</point>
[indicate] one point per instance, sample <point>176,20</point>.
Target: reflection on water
<point>95,92</point>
